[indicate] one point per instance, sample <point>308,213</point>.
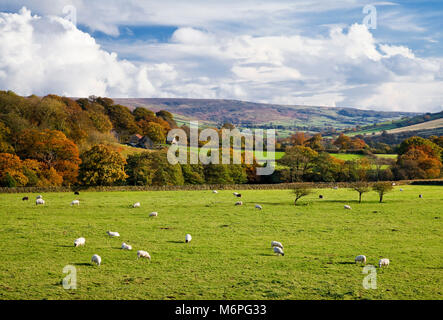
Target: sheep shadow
<point>345,262</point>
<point>83,264</point>
<point>340,201</point>
<point>175,241</point>
<point>65,246</point>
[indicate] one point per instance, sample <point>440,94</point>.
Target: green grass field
<point>230,256</point>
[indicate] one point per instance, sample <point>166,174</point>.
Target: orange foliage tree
<point>53,150</point>
<point>11,168</point>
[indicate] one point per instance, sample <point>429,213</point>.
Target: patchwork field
<point>230,256</point>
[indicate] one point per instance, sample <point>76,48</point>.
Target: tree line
<point>58,141</point>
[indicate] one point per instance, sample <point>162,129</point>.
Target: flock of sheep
<point>276,246</point>
<point>381,263</point>
<point>96,259</point>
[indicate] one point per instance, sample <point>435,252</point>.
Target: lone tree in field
<point>361,187</point>
<point>381,188</point>
<point>301,191</point>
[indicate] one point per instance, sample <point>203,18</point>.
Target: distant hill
<point>419,123</point>
<point>250,114</point>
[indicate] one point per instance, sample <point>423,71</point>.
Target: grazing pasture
<point>230,255</point>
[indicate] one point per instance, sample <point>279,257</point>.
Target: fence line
<point>279,186</point>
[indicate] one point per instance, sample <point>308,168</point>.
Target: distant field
<point>391,128</point>
<point>230,256</point>
<point>438,123</point>
<point>352,156</point>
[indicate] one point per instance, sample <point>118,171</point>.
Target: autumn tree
<point>155,132</point>
<point>122,120</point>
<point>315,142</point>
<point>419,158</point>
<point>5,145</point>
<point>102,166</point>
<point>298,139</point>
<point>142,113</point>
<point>11,171</point>
<point>342,142</point>
<point>53,149</point>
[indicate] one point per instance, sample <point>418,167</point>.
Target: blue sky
<point>289,52</point>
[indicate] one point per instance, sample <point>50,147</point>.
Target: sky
<point>383,55</point>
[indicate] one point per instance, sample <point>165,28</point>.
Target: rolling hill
<point>259,115</point>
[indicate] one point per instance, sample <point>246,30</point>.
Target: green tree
<point>193,173</point>
<point>382,188</point>
<point>153,168</point>
<point>217,174</point>
<point>300,160</point>
<point>155,132</point>
<point>142,113</point>
<point>102,166</point>
<point>361,187</point>
<point>300,191</point>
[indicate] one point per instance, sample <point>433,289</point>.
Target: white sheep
<point>276,244</point>
<point>96,259</point>
<point>188,238</point>
<point>420,196</point>
<point>39,197</point>
<point>347,207</point>
<point>214,191</point>
<point>75,202</point>
<point>401,189</point>
<point>136,205</point>
<point>39,201</point>
<point>126,246</point>
<point>393,183</point>
<point>143,254</point>
<point>113,234</point>
<point>383,262</point>
<point>79,242</point>
<point>335,188</point>
<point>360,258</point>
<point>259,207</point>
<point>153,214</point>
<point>278,251</point>
<point>239,203</point>
<point>235,193</point>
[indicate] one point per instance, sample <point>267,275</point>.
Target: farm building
<point>140,141</point>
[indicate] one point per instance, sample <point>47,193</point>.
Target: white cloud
<point>347,67</point>
<point>49,55</point>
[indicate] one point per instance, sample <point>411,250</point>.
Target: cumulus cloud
<point>345,67</point>
<point>50,55</point>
